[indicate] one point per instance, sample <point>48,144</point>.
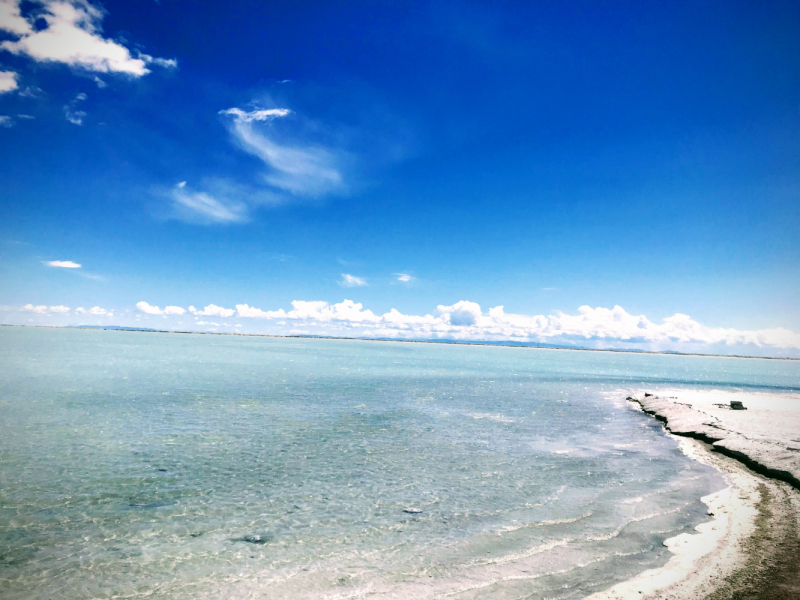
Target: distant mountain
<point>115,327</point>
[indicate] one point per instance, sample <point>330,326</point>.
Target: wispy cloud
<point>8,81</point>
<point>404,277</point>
<point>293,167</point>
<point>352,281</point>
<point>72,36</point>
<point>71,111</point>
<point>32,92</point>
<point>255,115</point>
<point>6,121</point>
<point>94,311</point>
<point>203,207</point>
<point>63,264</point>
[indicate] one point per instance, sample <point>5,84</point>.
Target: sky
<point>592,174</point>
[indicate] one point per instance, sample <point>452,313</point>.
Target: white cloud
<point>174,310</point>
<point>201,207</point>
<point>72,36</point>
<point>64,264</point>
<point>256,115</point>
<point>461,313</point>
<point>94,311</point>
<point>6,121</point>
<point>212,310</point>
<point>8,81</point>
<point>149,310</point>
<point>404,277</point>
<point>352,281</point>
<point>243,310</point>
<point>41,309</point>
<point>11,20</point>
<point>301,170</point>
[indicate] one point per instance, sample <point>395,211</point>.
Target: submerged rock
<point>257,538</point>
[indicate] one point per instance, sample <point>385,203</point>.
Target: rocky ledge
<point>766,437</point>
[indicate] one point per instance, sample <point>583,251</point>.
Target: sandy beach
<point>751,547</point>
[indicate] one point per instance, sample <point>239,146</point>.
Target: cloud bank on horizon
<point>467,322</point>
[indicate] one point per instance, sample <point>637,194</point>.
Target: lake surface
<point>196,466</point>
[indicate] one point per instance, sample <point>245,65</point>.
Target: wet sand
<point>750,549</point>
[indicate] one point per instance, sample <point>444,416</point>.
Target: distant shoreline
<point>366,339</point>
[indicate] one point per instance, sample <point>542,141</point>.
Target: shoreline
<point>751,546</point>
<point>366,339</point>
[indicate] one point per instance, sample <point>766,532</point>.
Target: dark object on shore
<point>412,511</point>
<point>737,405</point>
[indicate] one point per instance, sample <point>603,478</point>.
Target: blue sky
<point>541,157</point>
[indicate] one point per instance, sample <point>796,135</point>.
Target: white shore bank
<point>751,546</point>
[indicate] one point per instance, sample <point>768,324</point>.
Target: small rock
<point>257,538</point>
<point>412,511</point>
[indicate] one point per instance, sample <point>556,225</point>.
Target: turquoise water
<point>197,466</point>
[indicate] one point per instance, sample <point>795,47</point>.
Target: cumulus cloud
<point>461,313</point>
<point>8,81</point>
<point>63,264</point>
<point>148,309</point>
<point>155,310</point>
<point>352,281</point>
<point>212,310</point>
<point>72,35</point>
<point>404,277</point>
<point>466,320</point>
<point>296,168</point>
<point>43,310</point>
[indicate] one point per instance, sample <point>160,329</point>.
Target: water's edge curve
<point>752,543</point>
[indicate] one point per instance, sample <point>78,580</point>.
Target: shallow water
<point>196,466</point>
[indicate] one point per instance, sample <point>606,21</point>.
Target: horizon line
<point>524,345</point>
